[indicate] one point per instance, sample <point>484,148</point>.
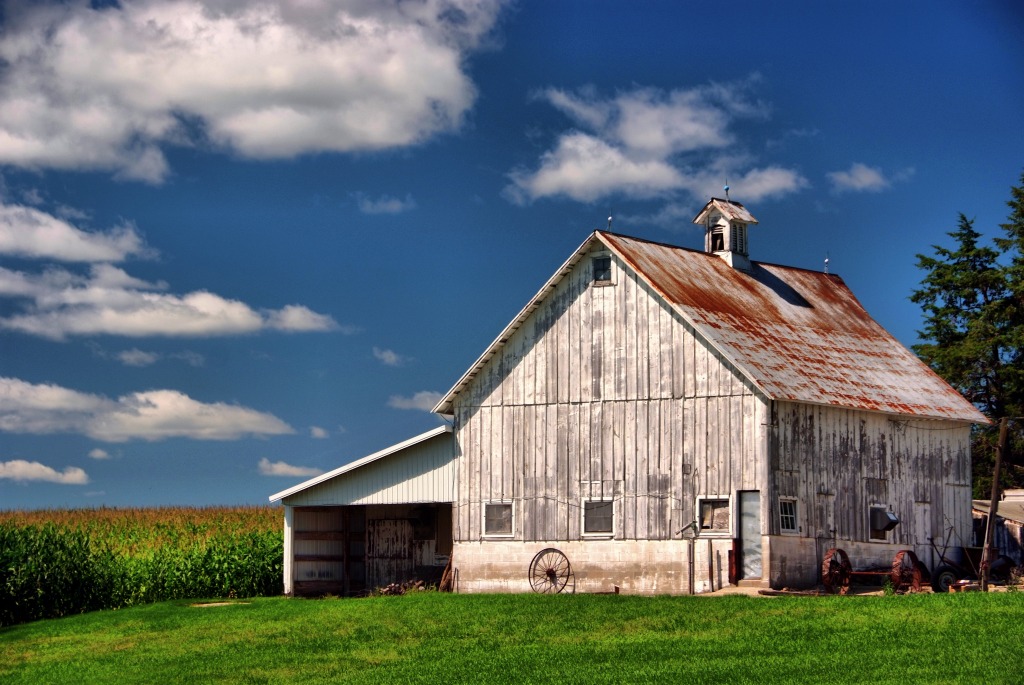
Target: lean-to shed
<point>382,519</point>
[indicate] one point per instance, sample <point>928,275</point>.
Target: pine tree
<point>973,300</point>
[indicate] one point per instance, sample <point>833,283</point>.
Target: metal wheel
<point>906,572</point>
<point>551,572</point>
<point>835,571</point>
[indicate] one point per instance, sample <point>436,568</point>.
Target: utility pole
<point>986,550</point>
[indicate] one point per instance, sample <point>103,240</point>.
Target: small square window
<point>714,515</point>
<point>602,269</point>
<point>787,516</point>
<point>597,517</point>
<point>498,518</point>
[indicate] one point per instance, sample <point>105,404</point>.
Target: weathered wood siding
<point>837,463</point>
<point>604,392</point>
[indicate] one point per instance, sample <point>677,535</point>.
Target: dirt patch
<point>204,605</point>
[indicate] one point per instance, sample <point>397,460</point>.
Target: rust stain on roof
<point>798,335</point>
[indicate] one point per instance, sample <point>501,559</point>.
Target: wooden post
<point>986,552</point>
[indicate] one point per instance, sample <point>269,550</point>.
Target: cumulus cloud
<point>110,88</point>
<point>385,204</point>
<point>318,433</point>
<point>99,454</point>
<point>151,415</point>
<point>651,143</point>
<point>421,401</point>
<point>586,168</point>
<point>861,178</point>
<point>32,233</point>
<point>109,301</point>
<point>280,468</point>
<point>388,357</point>
<point>21,470</point>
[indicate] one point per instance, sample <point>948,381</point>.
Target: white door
<point>750,534</point>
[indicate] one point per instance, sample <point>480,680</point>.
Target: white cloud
<point>97,453</point>
<point>422,401</point>
<point>861,178</point>
<point>137,357</point>
<point>280,468</point>
<point>647,143</point>
<point>21,470</point>
<point>29,232</point>
<point>388,357</point>
<point>318,433</point>
<point>385,204</point>
<point>586,168</point>
<point>108,88</point>
<point>296,318</point>
<point>111,302</point>
<point>151,415</point>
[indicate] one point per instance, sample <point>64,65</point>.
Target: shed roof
<point>366,461</point>
<point>796,334</point>
<point>1010,508</point>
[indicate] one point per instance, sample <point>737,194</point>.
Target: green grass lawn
<point>438,638</point>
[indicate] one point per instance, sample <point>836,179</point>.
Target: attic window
<point>602,269</point>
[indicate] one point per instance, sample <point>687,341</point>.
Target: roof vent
<point>725,225</point>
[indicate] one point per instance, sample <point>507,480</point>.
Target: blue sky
<point>242,244</point>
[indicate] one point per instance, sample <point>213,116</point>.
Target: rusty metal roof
<point>797,335</point>
<point>732,211</point>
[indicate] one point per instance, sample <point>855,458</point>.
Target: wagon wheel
<point>835,571</point>
<point>906,572</point>
<point>551,572</point>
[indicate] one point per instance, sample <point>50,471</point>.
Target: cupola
<point>725,231</point>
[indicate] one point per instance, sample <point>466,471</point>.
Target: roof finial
<point>826,262</point>
<point>726,189</point>
<point>609,222</point>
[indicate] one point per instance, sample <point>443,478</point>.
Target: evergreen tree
<point>973,300</point>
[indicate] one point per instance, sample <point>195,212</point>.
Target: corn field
<point>59,562</point>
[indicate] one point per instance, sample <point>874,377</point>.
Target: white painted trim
<point>289,553</point>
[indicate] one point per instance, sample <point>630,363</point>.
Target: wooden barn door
<point>389,556</point>
<point>750,534</point>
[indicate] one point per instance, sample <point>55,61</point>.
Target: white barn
<point>673,420</point>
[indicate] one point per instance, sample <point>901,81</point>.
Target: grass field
<point>438,638</point>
